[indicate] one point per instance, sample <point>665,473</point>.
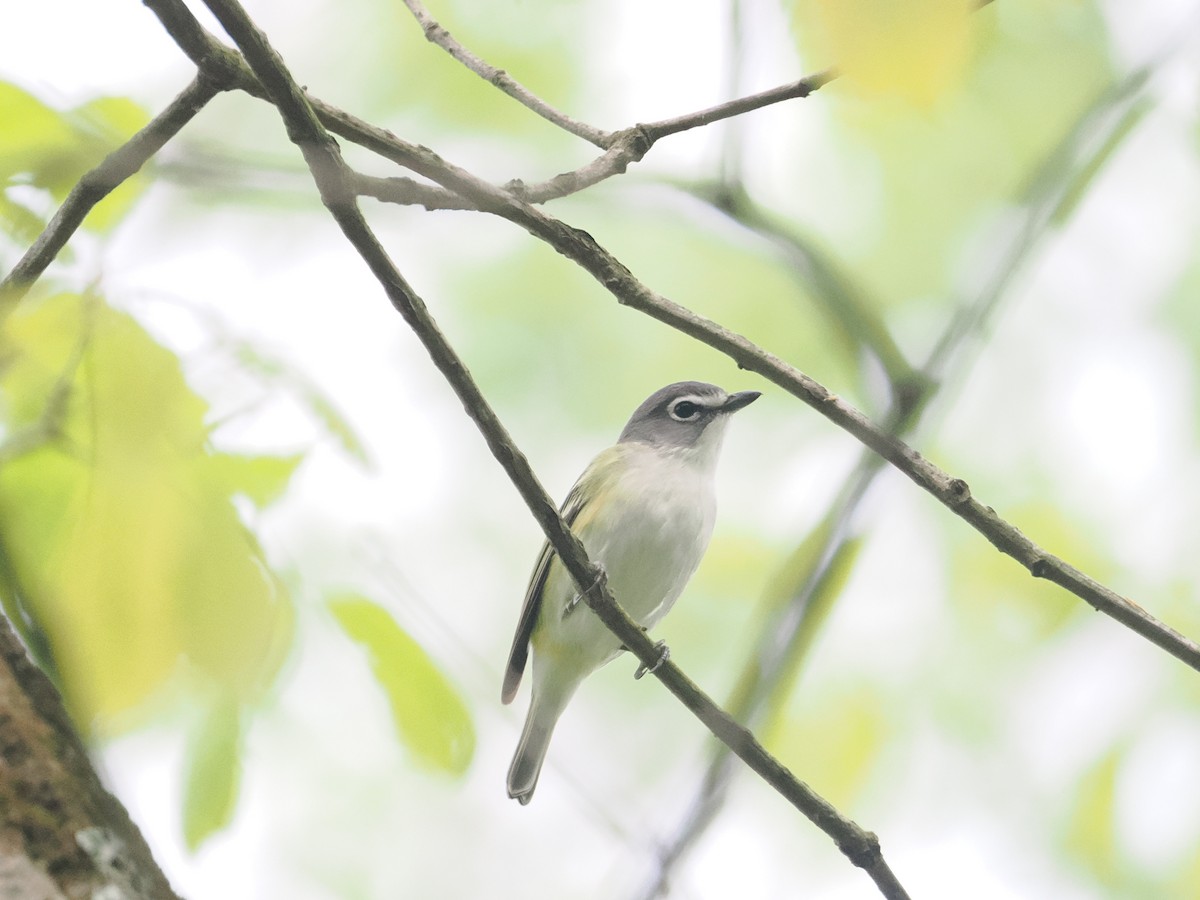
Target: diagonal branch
<point>97,184</point>
<point>334,182</point>
<point>783,639</point>
<point>437,34</point>
<point>623,148</point>
<point>793,90</point>
<point>954,493</point>
<point>579,246</point>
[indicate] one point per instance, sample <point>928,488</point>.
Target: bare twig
<point>776,653</point>
<point>623,148</point>
<point>94,186</point>
<point>729,163</point>
<point>794,90</point>
<point>435,33</point>
<point>438,34</point>
<point>579,246</point>
<point>953,492</point>
<point>335,184</point>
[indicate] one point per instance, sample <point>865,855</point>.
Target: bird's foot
<point>664,653</point>
<point>601,575</point>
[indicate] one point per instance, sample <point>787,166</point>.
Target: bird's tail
<point>535,740</point>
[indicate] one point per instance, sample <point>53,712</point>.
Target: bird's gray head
<point>685,415</point>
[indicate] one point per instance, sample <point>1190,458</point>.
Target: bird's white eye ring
<point>684,410</point>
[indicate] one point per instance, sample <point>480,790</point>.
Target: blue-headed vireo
<point>644,510</point>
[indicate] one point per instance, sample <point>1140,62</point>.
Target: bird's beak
<point>738,400</point>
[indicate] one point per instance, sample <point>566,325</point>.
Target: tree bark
<point>62,835</point>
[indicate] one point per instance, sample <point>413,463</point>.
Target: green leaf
<point>1081,182</point>
<point>834,739</point>
<point>18,221</point>
<point>52,150</point>
<point>331,418</point>
<point>320,406</point>
<point>997,597</point>
<point>32,131</point>
<point>938,175</point>
<point>429,713</point>
<point>1090,834</point>
<point>213,773</point>
<point>120,528</point>
<point>780,595</point>
<point>261,479</point>
<point>112,120</point>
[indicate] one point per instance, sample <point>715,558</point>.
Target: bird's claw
<point>664,653</point>
<point>574,601</point>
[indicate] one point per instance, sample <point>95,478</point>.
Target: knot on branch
<point>518,189</point>
<point>629,145</point>
<point>861,848</point>
<point>958,492</point>
<point>220,68</point>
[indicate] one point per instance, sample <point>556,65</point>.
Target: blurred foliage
<point>994,595</point>
<point>836,739</point>
<point>1033,66</point>
<point>810,600</point>
<point>1180,316</point>
<point>126,561</point>
<point>126,566</point>
<point>277,372</point>
<point>1090,831</point>
<point>48,150</point>
<point>533,298</point>
<point>124,543</point>
<point>213,772</point>
<point>430,716</point>
<point>914,50</point>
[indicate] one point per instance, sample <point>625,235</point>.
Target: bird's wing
<point>519,653</point>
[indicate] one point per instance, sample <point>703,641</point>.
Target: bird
<point>644,509</point>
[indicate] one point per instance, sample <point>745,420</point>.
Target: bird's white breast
<point>649,534</point>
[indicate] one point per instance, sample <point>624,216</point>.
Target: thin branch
<point>776,654</point>
<point>49,423</point>
<point>851,309</point>
<point>795,90</point>
<point>580,247</point>
<point>335,184</point>
<point>437,34</point>
<point>730,162</point>
<point>952,492</point>
<point>121,164</point>
<point>624,147</point>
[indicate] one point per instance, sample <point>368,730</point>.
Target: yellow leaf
<point>914,50</point>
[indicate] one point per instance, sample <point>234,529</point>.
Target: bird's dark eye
<point>685,410</point>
